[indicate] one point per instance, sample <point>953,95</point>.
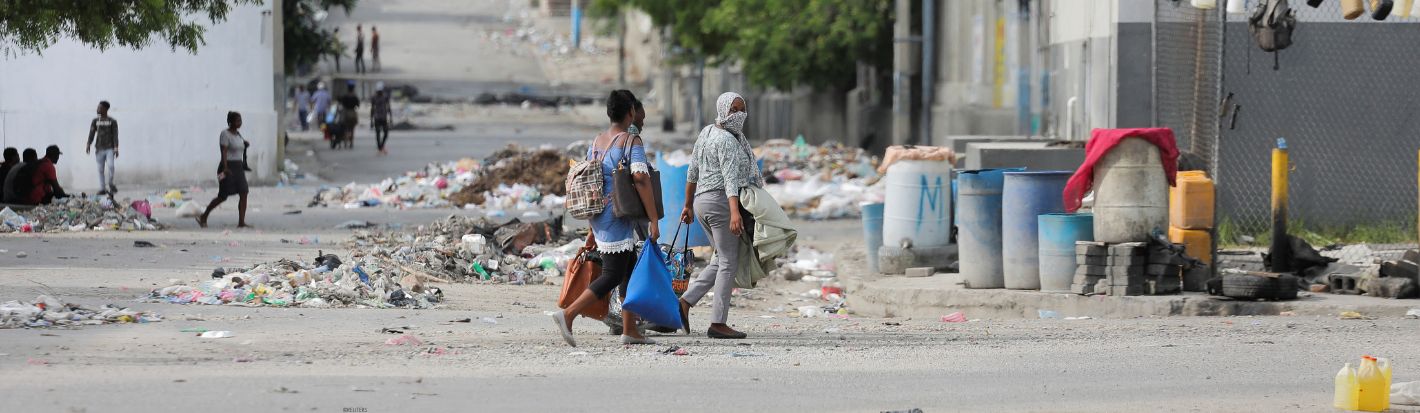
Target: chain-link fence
<point>1343,97</point>
<point>1188,60</point>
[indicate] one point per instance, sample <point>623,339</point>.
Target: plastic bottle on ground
<point>1346,389</point>
<point>1373,389</point>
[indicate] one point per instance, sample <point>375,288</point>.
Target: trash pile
<point>325,284</point>
<point>81,214</point>
<point>513,178</point>
<point>524,250</point>
<point>544,42</point>
<point>817,269</point>
<point>819,182</point>
<point>45,311</point>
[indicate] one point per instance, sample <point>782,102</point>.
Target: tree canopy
<point>33,25</point>
<point>780,43</point>
<point>305,41</point>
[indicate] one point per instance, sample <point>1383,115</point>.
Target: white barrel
<point>918,204</point>
<point>1131,193</point>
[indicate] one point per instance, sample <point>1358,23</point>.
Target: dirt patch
<point>544,169</point>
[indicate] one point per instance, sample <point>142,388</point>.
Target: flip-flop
<point>560,318</point>
<point>625,339</point>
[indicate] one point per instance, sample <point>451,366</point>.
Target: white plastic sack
<point>189,209</point>
<point>1407,393</point>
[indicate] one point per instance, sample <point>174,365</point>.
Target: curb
<point>932,297</point>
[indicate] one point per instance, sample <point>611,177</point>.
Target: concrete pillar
<point>904,67</point>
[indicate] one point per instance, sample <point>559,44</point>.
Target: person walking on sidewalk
<point>375,48</point>
<point>303,106</point>
<point>231,174</point>
<point>335,48</point>
<point>720,165</point>
<point>615,237</point>
<point>380,118</point>
<point>103,138</point>
<point>359,49</point>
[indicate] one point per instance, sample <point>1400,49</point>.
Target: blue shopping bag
<point>649,293</point>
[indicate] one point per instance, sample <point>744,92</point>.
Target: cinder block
<point>1091,248</point>
<point>1092,259</point>
<point>1128,248</point>
<point>1126,290</point>
<point>1134,280</point>
<point>921,272</point>
<point>1095,270</point>
<point>1082,289</point>
<point>1344,284</point>
<point>1123,270</point>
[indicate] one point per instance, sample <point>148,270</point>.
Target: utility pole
<point>929,48</point>
<point>667,93</point>
<point>902,70</point>
<point>621,48</point>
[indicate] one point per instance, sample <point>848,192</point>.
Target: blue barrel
<point>979,226</point>
<point>673,197</point>
<point>1058,234</point>
<point>1024,197</point>
<point>873,232</point>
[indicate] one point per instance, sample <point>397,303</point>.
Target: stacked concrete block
<point>1125,269</point>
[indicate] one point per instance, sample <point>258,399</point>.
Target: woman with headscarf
<point>616,237</point>
<point>721,164</point>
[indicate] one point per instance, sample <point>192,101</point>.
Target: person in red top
<point>46,180</point>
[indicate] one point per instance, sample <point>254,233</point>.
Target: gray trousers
<point>713,210</point>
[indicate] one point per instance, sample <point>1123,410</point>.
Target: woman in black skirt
<point>231,176</point>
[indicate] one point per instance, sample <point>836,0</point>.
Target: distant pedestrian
<point>103,137</point>
<point>321,101</point>
<point>18,181</point>
<point>346,118</point>
<point>335,47</point>
<point>375,48</point>
<point>231,175</point>
<point>303,106</point>
<point>359,49</point>
<point>46,179</point>
<point>721,164</point>
<point>380,118</point>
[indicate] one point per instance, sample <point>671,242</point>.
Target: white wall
<point>170,105</point>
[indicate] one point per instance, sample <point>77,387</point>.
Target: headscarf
<point>735,123</point>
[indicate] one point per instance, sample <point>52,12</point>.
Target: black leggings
<point>616,271</point>
<point>382,134</point>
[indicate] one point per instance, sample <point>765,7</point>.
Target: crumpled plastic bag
<point>189,209</point>
<point>1407,393</point>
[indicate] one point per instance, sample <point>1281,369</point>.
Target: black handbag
<point>625,200</point>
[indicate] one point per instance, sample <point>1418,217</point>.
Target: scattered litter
<point>747,354</point>
<point>193,330</point>
<point>241,360</point>
<point>1047,314</point>
<point>809,311</point>
<point>577,353</point>
<point>957,317</point>
<point>284,390</point>
<point>1352,315</point>
<point>355,224</point>
<point>404,340</point>
<point>21,254</point>
<point>286,283</point>
<point>488,320</point>
<point>1077,318</point>
<point>143,244</point>
<point>46,311</point>
<point>824,182</point>
<point>77,214</point>
<point>1412,313</point>
<point>217,334</point>
<point>462,320</point>
<point>1287,313</point>
<point>512,178</point>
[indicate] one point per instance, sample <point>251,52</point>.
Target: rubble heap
<point>544,170</point>
<point>463,248</point>
<point>327,283</point>
<point>513,178</point>
<point>79,214</point>
<point>823,182</point>
<point>45,311</point>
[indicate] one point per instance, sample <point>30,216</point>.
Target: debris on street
<point>511,179</point>
<point>287,283</point>
<point>463,248</point>
<point>823,182</point>
<point>45,312</point>
<point>80,214</point>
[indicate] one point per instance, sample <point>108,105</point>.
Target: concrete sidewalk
<point>932,297</point>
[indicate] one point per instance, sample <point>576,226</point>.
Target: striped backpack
<point>584,187</point>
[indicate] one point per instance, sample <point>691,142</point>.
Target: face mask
<point>735,123</point>
<point>633,130</point>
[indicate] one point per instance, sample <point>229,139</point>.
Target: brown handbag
<point>626,200</point>
<point>580,273</point>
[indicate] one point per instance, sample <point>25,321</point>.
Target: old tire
<point>1252,287</point>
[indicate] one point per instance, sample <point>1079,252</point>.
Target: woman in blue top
<point>616,237</point>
